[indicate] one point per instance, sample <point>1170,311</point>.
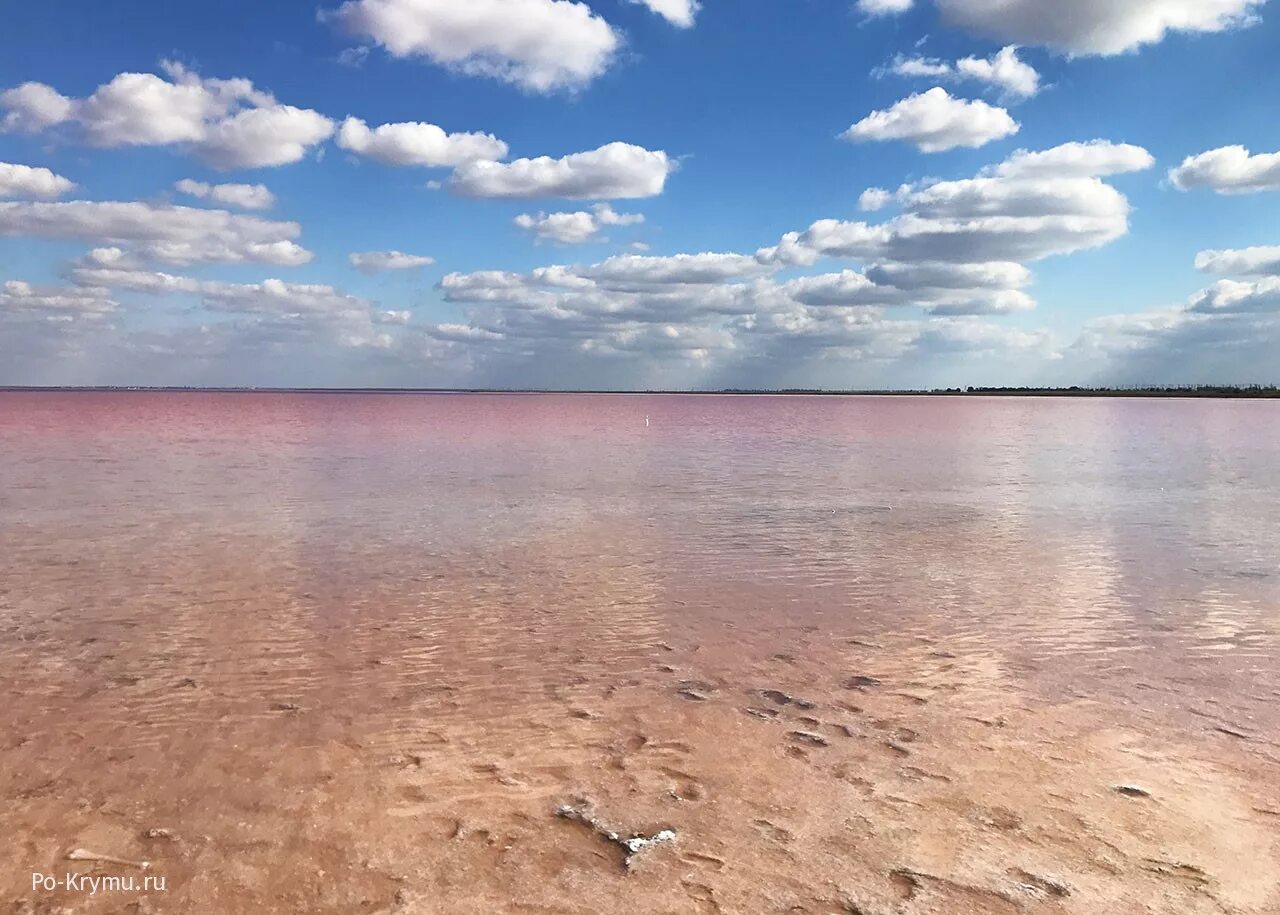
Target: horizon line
<point>1225,391</point>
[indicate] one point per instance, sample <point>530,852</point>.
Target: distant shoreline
<point>1253,392</point>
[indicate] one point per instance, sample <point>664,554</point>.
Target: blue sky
<point>726,127</point>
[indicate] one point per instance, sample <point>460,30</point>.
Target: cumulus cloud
<point>143,109</point>
<point>1226,333</point>
<point>271,296</point>
<point>1031,206</point>
<point>933,275</point>
<point>721,309</point>
<point>614,171</point>
<point>935,121</point>
<point>1259,293</point>
<point>226,122</point>
<point>1257,261</point>
<point>635,269</point>
<point>169,234</point>
<point>575,228</point>
<point>276,310</point>
<point>959,248</point>
<point>19,299</point>
<point>275,296</point>
<point>1004,71</point>
<point>1094,159</point>
<point>1096,26</point>
<point>417,143</point>
<point>1229,170</point>
<point>29,181</point>
<point>244,196</point>
<point>1236,297</point>
<point>378,261</point>
<point>940,289</point>
<point>32,107</point>
<point>263,137</point>
<point>43,326</point>
<point>539,45</point>
<point>678,12</point>
<point>873,199</point>
<point>715,312</point>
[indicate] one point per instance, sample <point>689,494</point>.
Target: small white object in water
<point>646,422</point>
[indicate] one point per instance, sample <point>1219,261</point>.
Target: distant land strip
<point>1256,391</point>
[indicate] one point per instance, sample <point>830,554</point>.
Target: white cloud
<point>1017,198</point>
<point>715,312</point>
<point>1226,333</point>
<point>32,107</point>
<point>1094,159</point>
<point>22,300</point>
<point>1226,298</point>
<point>943,289</point>
<point>884,7</point>
<point>170,234</point>
<point>29,181</point>
<point>828,238</point>
<point>142,109</point>
<point>278,297</point>
<point>1032,206</point>
<point>1258,261</point>
<point>378,261</point>
<point>678,12</point>
<point>1235,297</point>
<point>97,271</point>
<point>464,333</point>
<point>935,122</point>
<point>264,137</point>
<point>713,307</point>
<point>244,196</point>
<point>927,275</point>
<point>873,199</point>
<point>227,123</point>
<point>635,269</point>
<point>1229,170</point>
<point>271,296</point>
<point>43,325</point>
<point>1096,26</point>
<point>277,309</point>
<point>575,228</point>
<point>847,288</point>
<point>417,143</point>
<point>1004,71</point>
<point>616,170</point>
<point>540,45</point>
<point>930,67</point>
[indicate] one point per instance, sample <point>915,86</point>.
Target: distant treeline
<point>1185,390</point>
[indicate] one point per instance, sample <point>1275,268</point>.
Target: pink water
<point>367,554</point>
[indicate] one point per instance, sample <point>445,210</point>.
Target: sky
<point>631,194</point>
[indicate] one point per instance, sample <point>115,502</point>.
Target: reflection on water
<point>177,571</point>
<point>497,529</point>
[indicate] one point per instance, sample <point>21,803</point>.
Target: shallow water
<point>334,632</point>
